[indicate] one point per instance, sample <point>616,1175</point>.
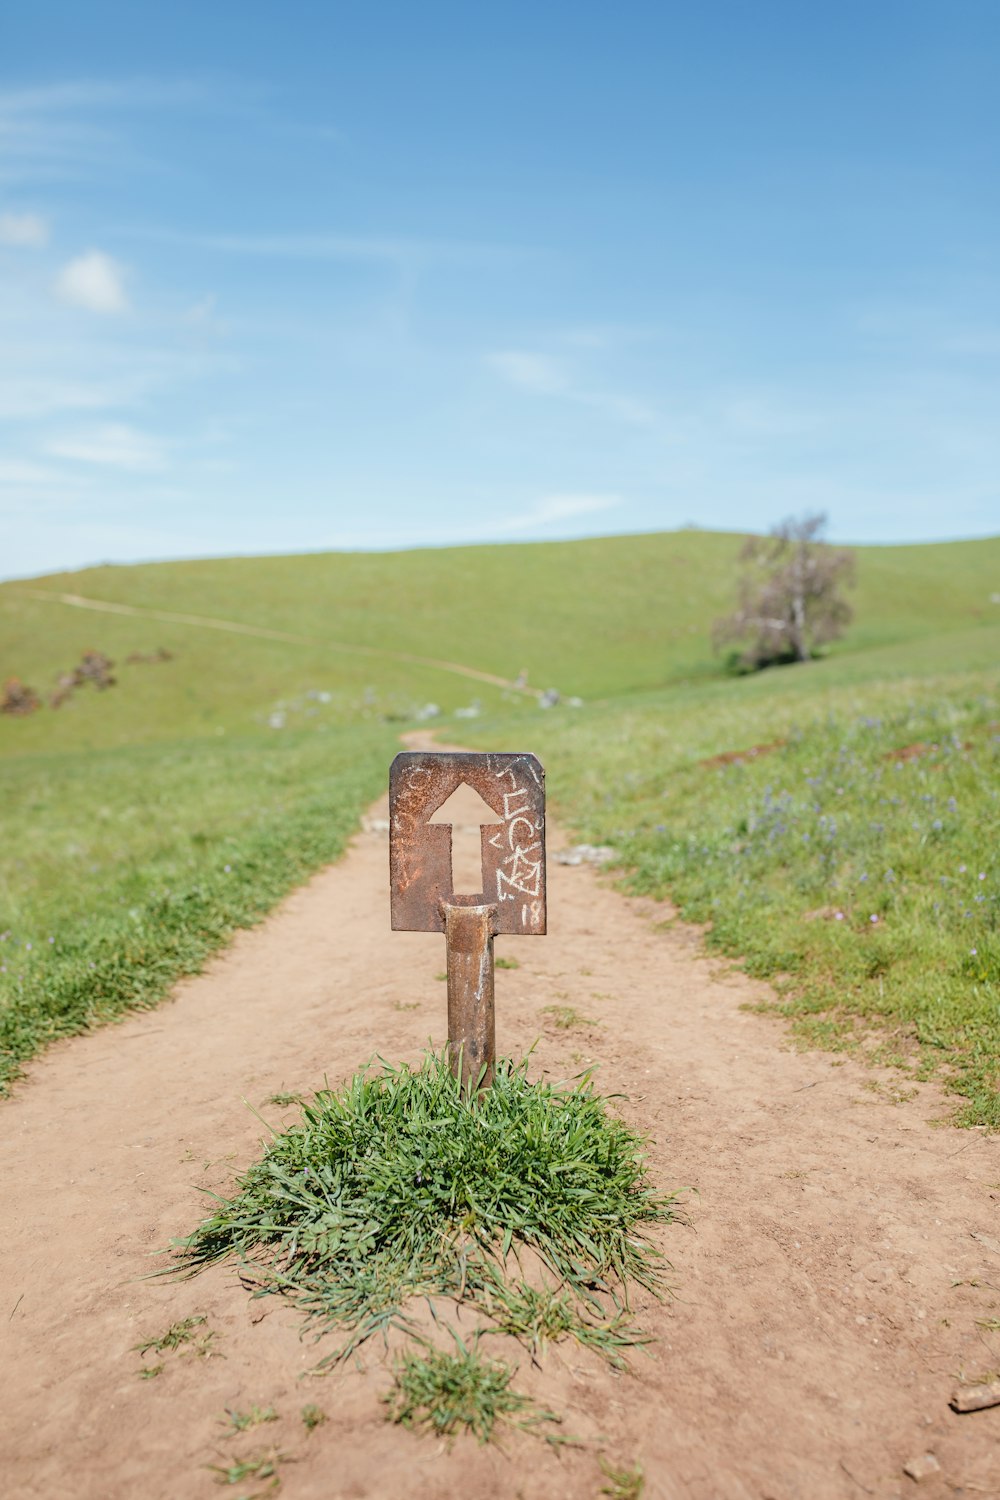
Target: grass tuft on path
<point>397,1186</point>
<point>461,1392</point>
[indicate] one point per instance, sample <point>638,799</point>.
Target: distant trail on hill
<point>235,627</point>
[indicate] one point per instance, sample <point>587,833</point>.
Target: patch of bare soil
<point>738,757</point>
<point>840,1262</point>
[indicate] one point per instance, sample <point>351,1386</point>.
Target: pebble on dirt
<point>976,1397</point>
<point>924,1467</point>
<point>585,854</point>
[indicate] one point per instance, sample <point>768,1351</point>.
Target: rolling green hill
<point>145,822</point>
<point>596,618</point>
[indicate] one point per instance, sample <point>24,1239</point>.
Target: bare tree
<point>790,596</point>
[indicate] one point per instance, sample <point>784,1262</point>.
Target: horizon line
<point>465,546</point>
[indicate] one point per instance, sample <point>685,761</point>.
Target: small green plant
<point>623,1484</point>
<point>460,1392</point>
<point>255,1466</point>
<point>892,1093</point>
<point>282,1100</point>
<point>182,1336</point>
<point>508,963</point>
<point>540,1315</point>
<point>442,976</point>
<point>564,1017</point>
<point>239,1421</point>
<point>312,1416</point>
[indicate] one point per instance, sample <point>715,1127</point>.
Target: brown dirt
<point>838,1255</point>
<point>737,757</point>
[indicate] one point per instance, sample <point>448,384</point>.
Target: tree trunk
<point>799,605</point>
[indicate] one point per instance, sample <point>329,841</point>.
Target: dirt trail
<point>839,1253</point>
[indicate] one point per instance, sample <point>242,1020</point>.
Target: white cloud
<point>73,131</point>
<point>547,511</point>
<point>532,372</point>
<point>113,445</point>
<point>201,312</point>
<point>401,251</point>
<point>30,492</point>
<point>23,229</point>
<point>625,408</point>
<point>91,93</point>
<point>93,281</point>
<point>203,318</point>
<point>544,376</point>
<point>29,396</point>
<point>22,472</point>
<point>771,414</point>
<point>552,508</point>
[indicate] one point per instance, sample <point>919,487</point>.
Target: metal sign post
<point>512,878</point>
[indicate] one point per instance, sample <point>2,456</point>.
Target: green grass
<point>189,1335</point>
<point>122,870</point>
<point>607,617</point>
<point>312,1417</point>
<point>565,1017</point>
<point>790,854</point>
<point>242,1421</point>
<point>623,1484</point>
<point>254,1466</point>
<point>258,751</point>
<point>399,1186</point>
<point>461,1392</point>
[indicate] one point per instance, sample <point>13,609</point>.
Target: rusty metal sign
<point>513,846</point>
<point>508,802</point>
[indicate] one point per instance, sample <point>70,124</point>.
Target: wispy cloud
<point>72,130</point>
<point>113,445</point>
<point>201,314</point>
<point>27,230</point>
<point>31,494</point>
<point>137,92</point>
<point>29,396</point>
<point>93,281</point>
<point>549,510</point>
<point>542,375</point>
<point>529,371</point>
<point>23,472</point>
<point>43,137</point>
<point>766,414</point>
<point>405,251</point>
<point>544,516</point>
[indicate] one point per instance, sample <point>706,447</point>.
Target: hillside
<point>595,618</point>
<point>146,822</point>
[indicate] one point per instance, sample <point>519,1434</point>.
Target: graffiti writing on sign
<point>513,846</point>
<point>520,843</point>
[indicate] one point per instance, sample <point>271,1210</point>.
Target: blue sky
<point>328,275</point>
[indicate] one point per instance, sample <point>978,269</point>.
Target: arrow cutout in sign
<point>465,809</point>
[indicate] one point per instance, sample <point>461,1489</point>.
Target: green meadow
<point>852,858</point>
